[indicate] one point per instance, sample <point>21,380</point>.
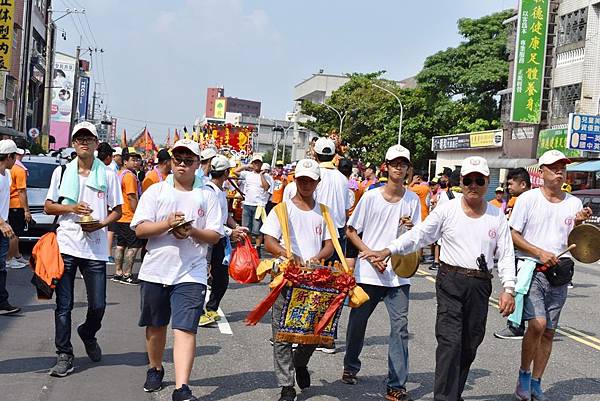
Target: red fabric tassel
<point>329,313</point>
<point>263,307</point>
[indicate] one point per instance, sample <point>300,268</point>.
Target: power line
<point>152,122</point>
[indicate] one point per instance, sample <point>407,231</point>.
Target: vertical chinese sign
<point>7,9</point>
<point>530,57</point>
<point>62,98</point>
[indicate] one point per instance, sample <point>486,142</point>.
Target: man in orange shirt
<point>158,172</point>
<point>499,201</point>
<point>18,214</point>
<point>128,244</point>
<point>422,191</point>
<point>279,183</point>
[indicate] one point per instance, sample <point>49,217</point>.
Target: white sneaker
<point>14,264</point>
<point>21,259</point>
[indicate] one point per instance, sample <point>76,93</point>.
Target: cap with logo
<point>325,147</point>
<point>84,127</point>
<point>475,164</point>
<point>552,156</point>
<point>308,168</point>
<point>8,146</point>
<point>208,154</point>
<point>220,163</point>
<point>499,189</point>
<point>396,152</point>
<point>189,145</point>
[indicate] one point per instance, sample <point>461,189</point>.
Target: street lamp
<point>341,117</point>
<point>401,109</point>
<point>277,134</point>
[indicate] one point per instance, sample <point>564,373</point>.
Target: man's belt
<point>466,272</point>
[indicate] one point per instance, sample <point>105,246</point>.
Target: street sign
<point>555,138</point>
<point>584,132</point>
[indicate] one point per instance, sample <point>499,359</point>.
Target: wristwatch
<point>510,290</point>
<point>227,231</point>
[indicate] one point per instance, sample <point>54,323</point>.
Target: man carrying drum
<point>472,232</point>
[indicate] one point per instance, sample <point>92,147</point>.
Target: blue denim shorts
<point>544,301</point>
<point>253,225</point>
<point>181,303</point>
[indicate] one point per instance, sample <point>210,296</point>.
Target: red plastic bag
<point>243,264</point>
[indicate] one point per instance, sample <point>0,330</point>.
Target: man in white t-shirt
<point>86,187</point>
<point>473,233</point>
<point>375,216</point>
<point>255,187</point>
<point>310,240</point>
<point>333,188</point>
<point>180,219</point>
<point>541,221</point>
<point>8,156</point>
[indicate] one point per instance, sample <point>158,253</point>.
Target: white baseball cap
<point>475,164</point>
<point>397,151</point>
<point>308,168</point>
<point>552,156</point>
<point>84,126</point>
<point>256,157</point>
<point>208,153</point>
<point>188,144</point>
<point>220,163</point>
<point>118,150</point>
<point>8,146</point>
<point>325,146</point>
<point>265,167</point>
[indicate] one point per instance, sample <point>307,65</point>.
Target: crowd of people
<point>174,215</point>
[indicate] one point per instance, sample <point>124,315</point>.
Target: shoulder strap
<point>281,212</point>
<point>63,167</point>
<point>450,194</point>
<point>333,233</point>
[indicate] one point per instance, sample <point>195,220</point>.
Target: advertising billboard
<point>62,98</point>
<point>7,32</point>
<point>84,93</point>
<point>480,139</point>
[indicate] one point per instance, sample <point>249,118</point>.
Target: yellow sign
<point>7,10</point>
<point>220,108</point>
<point>485,139</point>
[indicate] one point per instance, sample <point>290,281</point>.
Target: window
<point>572,27</point>
<point>564,99</point>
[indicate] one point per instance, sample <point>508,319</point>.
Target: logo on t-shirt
<point>319,230</point>
<point>200,212</point>
<point>101,195</point>
<point>569,220</point>
<point>492,233</point>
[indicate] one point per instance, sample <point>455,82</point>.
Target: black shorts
<point>112,227</point>
<point>182,303</point>
<point>16,221</point>
<point>126,236</point>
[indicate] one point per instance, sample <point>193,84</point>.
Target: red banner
<point>227,136</point>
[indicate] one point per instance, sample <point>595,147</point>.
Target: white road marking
<point>222,323</point>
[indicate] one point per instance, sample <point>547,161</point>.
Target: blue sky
<point>160,56</point>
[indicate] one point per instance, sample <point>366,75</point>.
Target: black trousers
<point>220,276</point>
<point>462,308</point>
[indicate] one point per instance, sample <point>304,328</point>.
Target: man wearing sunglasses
<point>180,219</point>
<point>472,231</point>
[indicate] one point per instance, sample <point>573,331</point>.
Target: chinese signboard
<point>555,139</point>
<point>84,90</point>
<point>482,139</point>
<point>113,131</point>
<point>7,31</point>
<point>584,132</point>
<point>220,108</point>
<point>62,98</point>
<point>530,58</point>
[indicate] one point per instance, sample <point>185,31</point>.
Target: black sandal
<point>349,377</point>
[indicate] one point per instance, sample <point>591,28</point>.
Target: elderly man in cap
<point>86,187</point>
<point>473,232</point>
<point>499,200</point>
<point>541,221</point>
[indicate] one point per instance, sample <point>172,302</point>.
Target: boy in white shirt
<point>310,240</point>
<point>180,219</point>
<point>378,212</point>
<point>85,187</point>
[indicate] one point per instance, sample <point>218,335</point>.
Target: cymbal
<point>406,266</point>
<point>587,239</point>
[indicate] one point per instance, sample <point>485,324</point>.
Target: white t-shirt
<point>542,223</point>
<point>252,188</point>
<point>266,197</point>
<point>332,191</point>
<point>464,238</point>
<point>443,197</point>
<point>308,230</point>
<point>376,219</point>
<point>222,198</point>
<point>72,240</point>
<point>170,260</point>
<point>5,181</point>
<point>289,191</point>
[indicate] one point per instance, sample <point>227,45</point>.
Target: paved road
<point>238,366</point>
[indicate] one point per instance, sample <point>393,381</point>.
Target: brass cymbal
<point>587,239</point>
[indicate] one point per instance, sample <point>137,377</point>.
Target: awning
<point>510,163</point>
<point>589,166</point>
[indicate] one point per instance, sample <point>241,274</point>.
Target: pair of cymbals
<point>587,239</point>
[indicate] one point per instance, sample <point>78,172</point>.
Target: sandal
<point>349,377</point>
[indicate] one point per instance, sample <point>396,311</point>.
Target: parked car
<point>590,198</point>
<point>40,169</point>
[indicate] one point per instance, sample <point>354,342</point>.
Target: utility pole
<point>94,103</point>
<point>25,68</point>
<point>48,79</point>
<point>75,104</point>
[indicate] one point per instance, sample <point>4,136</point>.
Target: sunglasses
<point>186,161</point>
<point>480,181</point>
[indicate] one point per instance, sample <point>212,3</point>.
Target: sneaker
<point>15,264</point>
<point>130,280</point>
<point>510,333</point>
<point>570,285</point>
<point>434,266</point>
<point>349,377</point>
<point>536,391</point>
<point>8,309</point>
<point>183,394</point>
<point>205,320</point>
<point>213,314</point>
<point>302,377</point>
<point>92,348</point>
<point>117,278</point>
<point>288,394</point>
<point>111,261</point>
<point>327,350</point>
<point>397,394</point>
<point>154,379</point>
<point>523,390</point>
<point>64,365</point>
<point>22,260</point>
